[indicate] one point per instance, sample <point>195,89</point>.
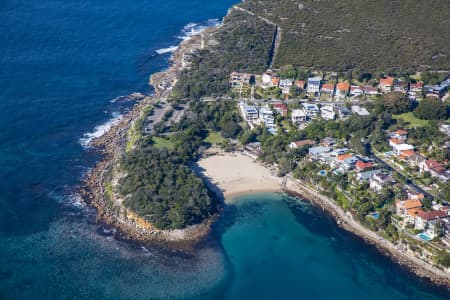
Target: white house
<point>314,84</point>
<point>378,181</point>
<point>315,152</point>
<point>267,117</point>
<point>398,148</point>
<point>356,90</point>
<point>311,110</point>
<point>360,111</point>
<point>249,112</point>
<point>298,116</point>
<point>327,112</point>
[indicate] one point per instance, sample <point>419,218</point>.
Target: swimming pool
<point>375,215</point>
<point>425,237</point>
<point>322,172</point>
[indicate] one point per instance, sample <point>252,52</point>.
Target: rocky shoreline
<point>343,220</point>
<point>112,147</point>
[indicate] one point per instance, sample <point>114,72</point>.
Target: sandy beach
<point>237,174</point>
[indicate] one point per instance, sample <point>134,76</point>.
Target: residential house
<point>400,86</point>
<point>370,90</point>
<point>266,117</point>
<point>328,141</point>
<point>315,152</point>
<point>249,112</point>
<point>275,81</point>
<point>400,134</point>
<point>240,81</point>
<point>343,112</point>
<point>360,111</point>
<point>399,148</point>
<point>298,116</point>
<point>435,90</point>
<point>314,85</point>
<point>409,156</point>
<point>312,110</point>
<point>301,144</point>
<point>266,79</point>
<point>378,181</point>
<point>281,108</point>
<point>426,220</point>
<point>416,89</point>
<point>434,167</point>
<point>386,84</point>
<point>366,175</point>
<point>363,166</point>
<point>402,206</point>
<point>285,85</point>
<point>342,89</point>
<point>356,90</point>
<point>327,112</point>
<point>445,128</point>
<point>300,84</point>
<point>328,88</point>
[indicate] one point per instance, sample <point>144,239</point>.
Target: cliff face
<point>369,35</point>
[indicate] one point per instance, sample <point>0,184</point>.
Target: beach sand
<point>237,174</point>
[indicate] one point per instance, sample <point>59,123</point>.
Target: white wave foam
<point>166,50</point>
<point>75,200</point>
<point>191,29</point>
<point>100,130</point>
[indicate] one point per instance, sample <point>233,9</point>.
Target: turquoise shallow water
<point>63,63</point>
<point>281,248</point>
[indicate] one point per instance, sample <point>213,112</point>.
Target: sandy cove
<point>236,174</point>
<point>231,175</point>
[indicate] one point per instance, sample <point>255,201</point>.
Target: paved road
<point>289,101</point>
<point>411,184</point>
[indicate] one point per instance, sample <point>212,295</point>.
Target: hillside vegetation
<point>243,43</point>
<point>383,35</point>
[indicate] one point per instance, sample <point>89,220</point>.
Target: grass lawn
<point>163,143</point>
<point>411,119</point>
<point>214,138</point>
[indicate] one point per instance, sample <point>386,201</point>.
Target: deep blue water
<point>61,65</point>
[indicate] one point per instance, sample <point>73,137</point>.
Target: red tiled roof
<point>343,86</point>
<point>401,132</point>
<point>432,215</point>
<point>387,81</point>
<point>280,105</point>
<point>300,144</point>
<point>417,85</point>
<point>396,141</point>
<point>328,86</point>
<point>300,84</point>
<point>344,156</point>
<point>412,203</point>
<point>435,166</point>
<point>407,153</point>
<point>362,165</point>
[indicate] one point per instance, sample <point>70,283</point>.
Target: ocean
<point>64,66</point>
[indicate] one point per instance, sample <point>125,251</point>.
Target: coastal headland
<point>229,175</point>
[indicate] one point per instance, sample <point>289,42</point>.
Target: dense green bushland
<point>383,35</point>
<point>242,44</point>
<point>159,184</point>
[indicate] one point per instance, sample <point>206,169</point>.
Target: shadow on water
<point>359,254</point>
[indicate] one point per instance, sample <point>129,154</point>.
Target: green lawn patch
<point>214,138</point>
<point>411,119</point>
<point>160,142</point>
